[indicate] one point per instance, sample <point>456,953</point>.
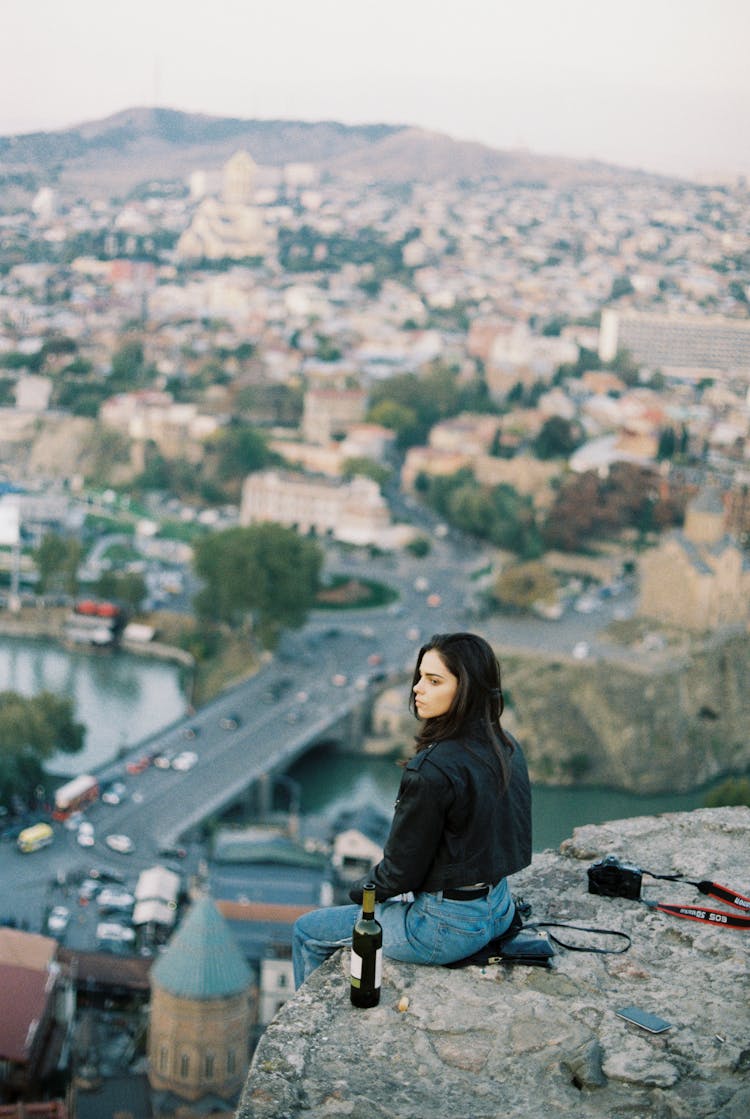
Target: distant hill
<point>141,144</point>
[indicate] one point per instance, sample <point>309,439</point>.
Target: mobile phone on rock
<point>651,1022</point>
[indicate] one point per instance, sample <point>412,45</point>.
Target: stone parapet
<point>531,1043</point>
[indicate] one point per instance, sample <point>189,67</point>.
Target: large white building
<point>354,512</point>
<point>677,342</point>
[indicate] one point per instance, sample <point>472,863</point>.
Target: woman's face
<point>435,688</point>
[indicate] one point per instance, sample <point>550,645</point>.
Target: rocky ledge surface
<point>525,1042</point>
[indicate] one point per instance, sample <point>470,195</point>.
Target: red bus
<point>75,795</point>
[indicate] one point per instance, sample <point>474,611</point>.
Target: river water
<point>332,783</point>
<point>122,699</point>
<point>119,697</point>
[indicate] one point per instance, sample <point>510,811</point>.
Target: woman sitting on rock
<point>462,822</point>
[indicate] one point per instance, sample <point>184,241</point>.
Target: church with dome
<point>228,227</point>
<point>200,1020</point>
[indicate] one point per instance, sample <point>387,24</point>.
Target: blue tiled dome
<point>202,960</point>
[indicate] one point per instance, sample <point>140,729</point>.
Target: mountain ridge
<point>138,144</point>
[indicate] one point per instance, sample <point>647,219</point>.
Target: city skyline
<point>667,91</point>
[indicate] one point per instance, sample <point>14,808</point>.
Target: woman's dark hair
<point>478,702</point>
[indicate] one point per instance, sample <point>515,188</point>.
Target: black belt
<point>467,895</point>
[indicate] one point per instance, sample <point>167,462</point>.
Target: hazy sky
<point>660,84</point>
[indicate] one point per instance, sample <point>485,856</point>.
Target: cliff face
<point>531,1043</point>
<point>645,723</point>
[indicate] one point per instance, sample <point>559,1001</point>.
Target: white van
<point>110,932</point>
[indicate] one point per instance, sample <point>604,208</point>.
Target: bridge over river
<point>255,730</point>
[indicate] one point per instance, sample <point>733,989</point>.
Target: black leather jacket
<point>452,825</point>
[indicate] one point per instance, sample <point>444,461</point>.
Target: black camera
<point>613,879</point>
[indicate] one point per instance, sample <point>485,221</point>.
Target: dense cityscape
<point>545,383</point>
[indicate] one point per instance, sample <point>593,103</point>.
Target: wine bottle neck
<point>368,902</point>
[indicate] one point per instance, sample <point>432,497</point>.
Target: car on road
<point>185,761</point>
<point>111,934</point>
<point>114,793</point>
<point>586,604</point>
<point>123,844</point>
<point>85,836</point>
<point>110,898</point>
<point>230,722</point>
<point>581,650</point>
<point>169,852</point>
<point>139,765</point>
<point>106,874</point>
<point>58,920</point>
<point>189,733</point>
<point>87,890</point>
<point>164,760</point>
<point>339,680</point>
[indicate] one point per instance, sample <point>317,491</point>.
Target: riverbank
<point>179,640</point>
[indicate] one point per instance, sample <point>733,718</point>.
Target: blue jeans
<point>429,930</point>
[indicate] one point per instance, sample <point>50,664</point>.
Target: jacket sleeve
<point>414,837</point>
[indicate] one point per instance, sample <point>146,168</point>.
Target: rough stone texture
<point>532,1043</point>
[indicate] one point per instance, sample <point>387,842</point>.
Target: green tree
<point>367,468</point>
<point>416,402</point>
<point>242,449</point>
<point>557,438</point>
<point>129,370</point>
<point>626,366</point>
<point>735,790</point>
<point>667,443</point>
<point>176,476</point>
<point>399,418</point>
<point>495,513</point>
<point>420,547</point>
<point>266,572</point>
<point>275,404</point>
<point>81,397</point>
<point>128,588</point>
<point>31,731</point>
<point>621,285</point>
<point>57,559</point>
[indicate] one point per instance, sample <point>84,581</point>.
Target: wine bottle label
<point>356,968</point>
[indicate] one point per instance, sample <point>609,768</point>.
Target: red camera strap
<point>715,917</point>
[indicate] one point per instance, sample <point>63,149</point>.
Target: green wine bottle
<point>367,953</point>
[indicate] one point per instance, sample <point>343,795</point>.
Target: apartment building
<point>676,342</point>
